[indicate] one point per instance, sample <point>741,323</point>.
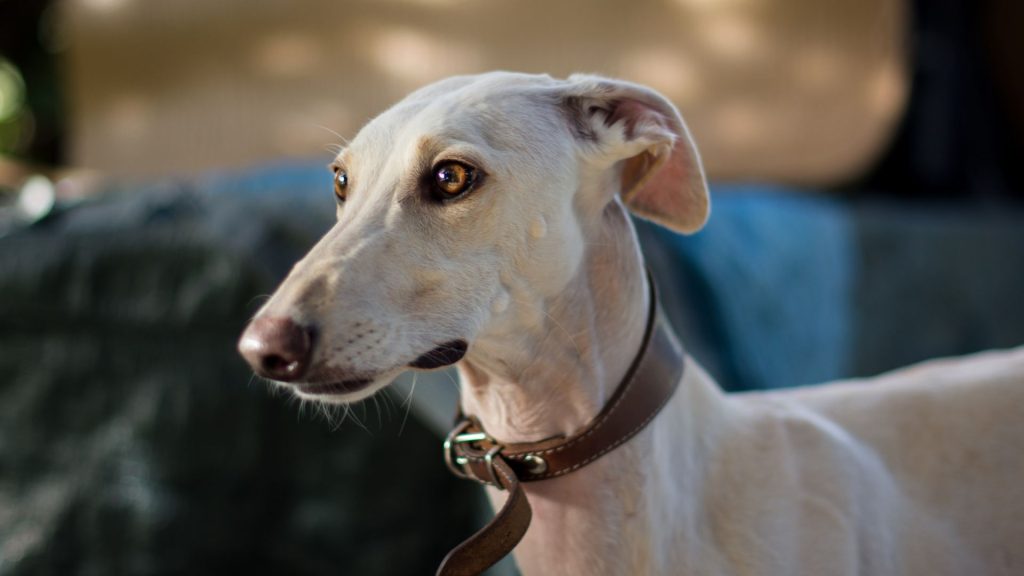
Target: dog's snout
<point>277,348</point>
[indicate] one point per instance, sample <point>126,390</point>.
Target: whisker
<point>454,380</point>
<point>254,299</point>
<point>376,404</point>
<point>408,404</point>
<point>351,414</point>
<point>333,132</point>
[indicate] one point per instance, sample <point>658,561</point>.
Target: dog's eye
<point>340,184</point>
<point>453,179</point>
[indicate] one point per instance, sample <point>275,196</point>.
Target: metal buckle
<point>459,464</point>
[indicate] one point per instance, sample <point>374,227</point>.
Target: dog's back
<point>930,456</point>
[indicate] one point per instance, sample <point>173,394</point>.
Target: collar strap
<point>471,453</point>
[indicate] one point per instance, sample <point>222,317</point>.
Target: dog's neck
<point>553,362</point>
<point>554,376</point>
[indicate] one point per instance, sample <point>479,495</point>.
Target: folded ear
<point>639,133</point>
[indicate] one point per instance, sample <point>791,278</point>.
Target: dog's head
<point>453,202</point>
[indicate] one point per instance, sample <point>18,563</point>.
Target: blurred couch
<point>133,440</point>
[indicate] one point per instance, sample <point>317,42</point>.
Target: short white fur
<point>538,269</point>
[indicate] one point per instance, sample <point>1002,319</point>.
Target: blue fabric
<point>284,181</point>
<point>769,280</point>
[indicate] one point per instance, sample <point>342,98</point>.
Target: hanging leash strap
<point>472,454</point>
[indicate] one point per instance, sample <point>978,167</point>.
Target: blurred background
<point>162,166</point>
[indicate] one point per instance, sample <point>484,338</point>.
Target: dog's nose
<point>277,348</point>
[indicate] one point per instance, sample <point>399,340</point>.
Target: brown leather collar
<point>471,453</point>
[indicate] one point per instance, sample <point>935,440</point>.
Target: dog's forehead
<point>494,90</point>
<point>495,107</point>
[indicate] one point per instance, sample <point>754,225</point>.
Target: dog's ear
<point>639,133</point>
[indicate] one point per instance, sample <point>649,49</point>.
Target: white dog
<point>482,221</point>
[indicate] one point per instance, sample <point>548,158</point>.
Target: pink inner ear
<point>665,182</point>
<point>634,170</point>
<point>666,190</point>
<point>672,194</point>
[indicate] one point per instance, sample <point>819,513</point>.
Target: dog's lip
<point>334,388</point>
<point>442,355</point>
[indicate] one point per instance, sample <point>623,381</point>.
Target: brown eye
<point>453,179</point>
<point>340,184</point>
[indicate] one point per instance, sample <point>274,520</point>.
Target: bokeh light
<point>17,124</point>
<point>12,91</point>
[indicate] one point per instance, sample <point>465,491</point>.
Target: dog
<point>482,222</point>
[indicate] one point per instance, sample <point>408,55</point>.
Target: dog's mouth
<point>341,388</point>
<point>352,388</point>
<point>444,355</point>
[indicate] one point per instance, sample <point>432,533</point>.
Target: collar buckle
<point>461,465</point>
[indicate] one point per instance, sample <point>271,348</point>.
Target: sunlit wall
<point>794,90</point>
